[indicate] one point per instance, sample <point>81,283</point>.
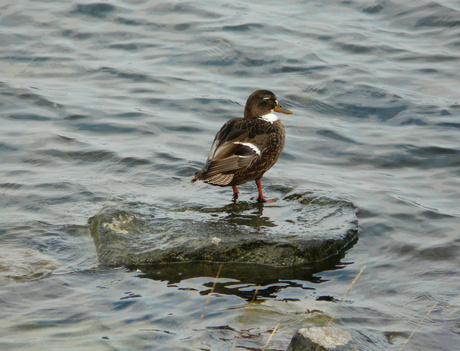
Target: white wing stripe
<point>250,145</point>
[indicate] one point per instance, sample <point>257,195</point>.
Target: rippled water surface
<point>112,102</point>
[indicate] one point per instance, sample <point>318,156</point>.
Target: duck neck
<point>247,112</point>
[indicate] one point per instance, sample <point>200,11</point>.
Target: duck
<point>245,148</point>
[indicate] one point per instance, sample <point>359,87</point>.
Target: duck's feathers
<point>236,146</point>
<point>230,156</point>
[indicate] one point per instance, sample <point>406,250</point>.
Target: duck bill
<point>278,108</point>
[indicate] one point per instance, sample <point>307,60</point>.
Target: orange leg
<point>235,192</point>
<point>261,197</point>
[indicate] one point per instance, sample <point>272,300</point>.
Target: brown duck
<point>245,148</point>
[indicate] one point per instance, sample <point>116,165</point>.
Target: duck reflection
<point>252,216</point>
<point>237,214</point>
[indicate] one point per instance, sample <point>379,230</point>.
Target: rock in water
<point>321,339</point>
<point>302,228</point>
<point>335,339</point>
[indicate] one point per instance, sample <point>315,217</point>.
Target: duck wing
<point>233,149</point>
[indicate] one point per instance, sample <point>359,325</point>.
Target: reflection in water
<point>243,280</point>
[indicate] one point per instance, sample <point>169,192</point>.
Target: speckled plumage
<point>245,148</point>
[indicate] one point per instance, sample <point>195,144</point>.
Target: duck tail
<point>214,179</point>
<point>195,178</point>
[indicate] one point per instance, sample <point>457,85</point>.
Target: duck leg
<point>261,197</point>
<point>235,192</point>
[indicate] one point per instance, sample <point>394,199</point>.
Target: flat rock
<point>300,228</point>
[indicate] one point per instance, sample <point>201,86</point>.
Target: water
<point>117,102</point>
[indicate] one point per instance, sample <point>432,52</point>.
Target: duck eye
<point>266,102</point>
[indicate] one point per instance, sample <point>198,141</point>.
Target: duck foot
<point>261,198</point>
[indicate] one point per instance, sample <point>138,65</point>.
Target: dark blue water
<point>118,101</point>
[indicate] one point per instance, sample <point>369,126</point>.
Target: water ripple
<point>99,10</point>
<point>108,103</point>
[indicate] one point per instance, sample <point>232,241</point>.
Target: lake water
<point>118,101</point>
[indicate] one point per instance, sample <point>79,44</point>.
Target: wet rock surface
<point>298,229</point>
<point>334,339</point>
<point>321,338</point>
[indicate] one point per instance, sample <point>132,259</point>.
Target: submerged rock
<point>300,228</point>
<point>25,264</point>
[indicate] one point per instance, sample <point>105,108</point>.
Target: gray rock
<point>320,339</point>
<point>334,339</point>
<point>299,229</point>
